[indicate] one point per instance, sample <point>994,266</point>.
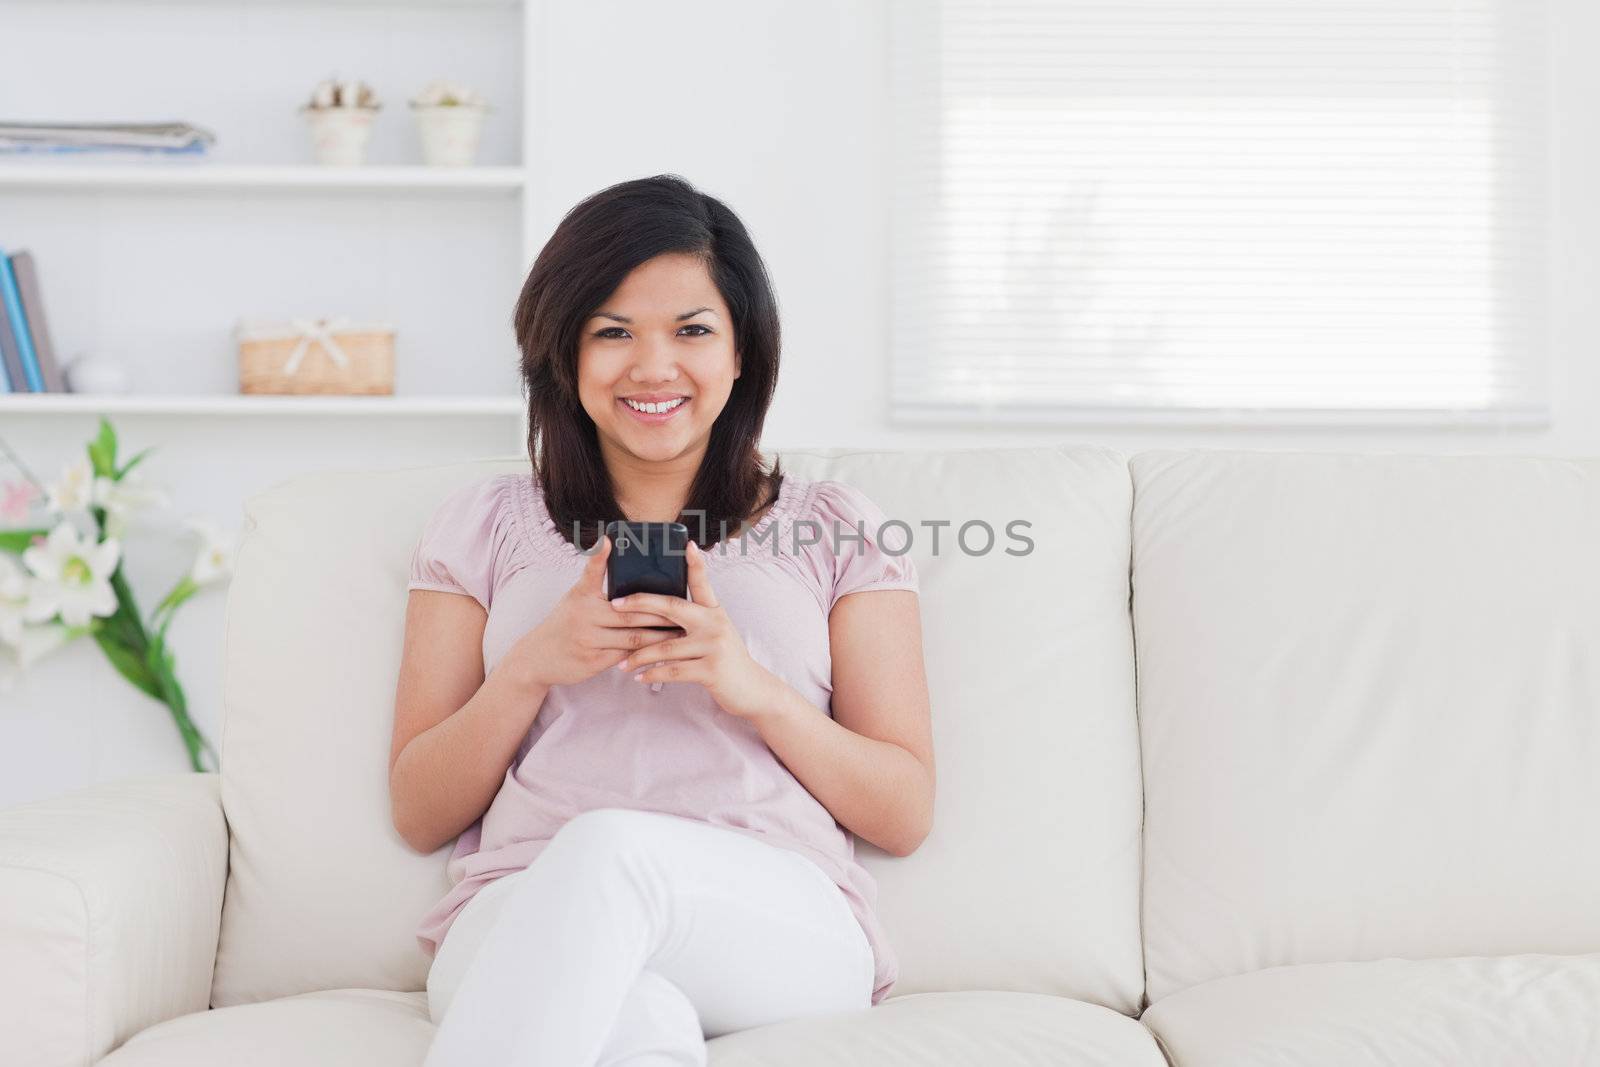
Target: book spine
<point>10,356</point>
<point>44,351</point>
<point>19,324</point>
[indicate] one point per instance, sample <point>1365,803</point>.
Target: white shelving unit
<point>73,403</point>
<point>179,176</point>
<point>153,260</point>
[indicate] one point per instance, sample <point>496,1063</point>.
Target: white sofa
<point>1352,818</point>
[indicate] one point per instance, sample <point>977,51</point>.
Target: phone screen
<point>648,557</point>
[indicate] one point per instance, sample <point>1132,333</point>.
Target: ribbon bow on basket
<point>319,331</point>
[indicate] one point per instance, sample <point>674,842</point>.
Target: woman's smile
<point>654,408</point>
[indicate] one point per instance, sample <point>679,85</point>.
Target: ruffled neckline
<point>541,534</point>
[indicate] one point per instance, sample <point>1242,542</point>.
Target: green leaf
<point>130,665</point>
<point>180,592</point>
<point>127,612</point>
<point>103,450</point>
<point>19,541</point>
<point>159,662</point>
<point>128,466</point>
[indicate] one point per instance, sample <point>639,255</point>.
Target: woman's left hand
<point>709,652</point>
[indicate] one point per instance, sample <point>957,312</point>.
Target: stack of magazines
<point>155,138</point>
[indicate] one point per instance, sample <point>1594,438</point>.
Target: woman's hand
<point>583,635</point>
<point>709,652</point>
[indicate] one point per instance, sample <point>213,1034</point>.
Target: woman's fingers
<point>593,579</point>
<point>679,612</point>
<point>633,638</point>
<point>682,648</point>
<point>626,619</point>
<point>699,581</point>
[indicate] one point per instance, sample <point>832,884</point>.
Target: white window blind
<point>1321,208</point>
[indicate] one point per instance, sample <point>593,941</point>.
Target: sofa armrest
<point>110,902</point>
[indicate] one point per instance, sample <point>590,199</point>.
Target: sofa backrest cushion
<point>322,891</point>
<point>1028,881</point>
<point>1369,703</point>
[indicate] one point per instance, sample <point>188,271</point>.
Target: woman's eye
<point>608,331</point>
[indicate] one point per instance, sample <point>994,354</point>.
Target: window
<point>1208,209</point>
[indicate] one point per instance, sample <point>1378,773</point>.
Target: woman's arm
<point>871,765</point>
<point>455,732</point>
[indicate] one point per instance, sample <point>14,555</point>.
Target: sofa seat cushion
<point>362,1027</point>
<point>1469,1011</point>
<point>933,1029</point>
<point>333,1027</point>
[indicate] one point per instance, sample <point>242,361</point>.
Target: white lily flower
<point>214,561</point>
<point>34,642</point>
<point>75,490</point>
<point>73,577</point>
<point>125,499</point>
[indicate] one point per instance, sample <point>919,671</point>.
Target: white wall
<point>779,108</point>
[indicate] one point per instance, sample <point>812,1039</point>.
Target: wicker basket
<point>315,356</point>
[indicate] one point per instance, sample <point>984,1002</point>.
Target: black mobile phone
<point>648,557</point>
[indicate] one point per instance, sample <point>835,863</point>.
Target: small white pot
<point>450,134</point>
<point>97,374</point>
<point>339,135</point>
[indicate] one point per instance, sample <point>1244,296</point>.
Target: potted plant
<point>450,123</point>
<point>341,114</point>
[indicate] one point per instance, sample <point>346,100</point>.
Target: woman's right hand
<point>583,634</point>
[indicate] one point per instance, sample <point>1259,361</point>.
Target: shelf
<point>76,403</point>
<point>200,174</point>
<point>443,5</point>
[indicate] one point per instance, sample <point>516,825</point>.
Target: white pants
<point>631,938</point>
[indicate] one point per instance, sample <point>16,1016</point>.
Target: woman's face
<point>664,338</point>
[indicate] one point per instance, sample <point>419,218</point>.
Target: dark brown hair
<point>593,249</point>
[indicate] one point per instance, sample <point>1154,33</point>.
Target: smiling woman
<point>638,867</point>
<point>650,292</point>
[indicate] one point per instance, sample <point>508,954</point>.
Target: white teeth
<point>654,409</point>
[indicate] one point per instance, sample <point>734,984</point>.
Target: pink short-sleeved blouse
<point>611,742</point>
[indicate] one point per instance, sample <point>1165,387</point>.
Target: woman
<point>655,825</point>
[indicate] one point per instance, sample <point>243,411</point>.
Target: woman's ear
<point>738,363</point>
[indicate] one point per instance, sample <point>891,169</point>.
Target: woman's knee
<point>657,1024</point>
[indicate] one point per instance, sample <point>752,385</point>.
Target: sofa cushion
<point>335,1027</point>
<point>950,1029</point>
<point>1369,694</point>
<point>322,891</point>
<point>1467,1012</point>
<point>377,1028</point>
<point>1029,880</point>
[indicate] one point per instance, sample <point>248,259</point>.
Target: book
<point>12,299</point>
<point>11,376</point>
<point>44,350</point>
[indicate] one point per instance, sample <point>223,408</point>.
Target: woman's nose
<point>655,363</point>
